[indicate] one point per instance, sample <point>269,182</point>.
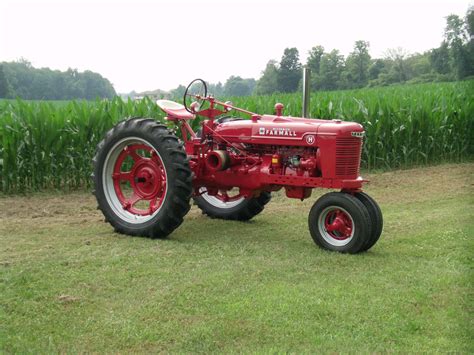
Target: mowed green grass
<point>69,284</point>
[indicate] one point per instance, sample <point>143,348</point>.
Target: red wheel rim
<point>338,224</point>
<point>146,177</point>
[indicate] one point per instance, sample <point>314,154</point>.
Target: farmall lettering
<point>274,131</point>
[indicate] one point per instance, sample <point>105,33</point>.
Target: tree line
<point>21,79</point>
<point>452,60</point>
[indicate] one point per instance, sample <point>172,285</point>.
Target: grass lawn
<point>69,284</point>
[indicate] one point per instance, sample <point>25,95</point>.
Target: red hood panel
<point>281,130</point>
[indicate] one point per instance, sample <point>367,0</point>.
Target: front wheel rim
<point>336,226</point>
<point>145,175</point>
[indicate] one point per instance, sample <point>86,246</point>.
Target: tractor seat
<point>174,110</point>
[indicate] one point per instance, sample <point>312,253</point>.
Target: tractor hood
<point>281,130</point>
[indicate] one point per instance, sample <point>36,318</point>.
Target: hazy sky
<point>144,45</point>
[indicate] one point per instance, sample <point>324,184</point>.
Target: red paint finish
<point>279,109</point>
<point>146,178</point>
<point>338,224</point>
<point>268,152</point>
<point>224,195</point>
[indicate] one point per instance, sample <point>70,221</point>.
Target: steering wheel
<point>196,91</point>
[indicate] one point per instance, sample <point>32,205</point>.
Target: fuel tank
<point>288,131</point>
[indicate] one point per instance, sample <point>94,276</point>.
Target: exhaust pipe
<point>306,90</point>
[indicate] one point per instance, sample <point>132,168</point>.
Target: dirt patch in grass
<point>79,208</point>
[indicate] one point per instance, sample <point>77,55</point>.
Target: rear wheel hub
<point>137,187</point>
<point>146,179</point>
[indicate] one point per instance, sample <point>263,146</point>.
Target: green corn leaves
<point>50,145</point>
<point>45,145</point>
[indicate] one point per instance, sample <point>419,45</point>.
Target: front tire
<point>375,216</point>
<point>340,222</point>
<point>142,179</point>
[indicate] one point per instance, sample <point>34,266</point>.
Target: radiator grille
<point>348,151</point>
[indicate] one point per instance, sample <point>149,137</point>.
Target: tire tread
<point>179,192</point>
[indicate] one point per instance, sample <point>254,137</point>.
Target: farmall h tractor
<point>145,176</point>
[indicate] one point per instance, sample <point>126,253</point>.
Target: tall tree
<point>357,64</point>
<point>3,83</point>
<point>332,66</point>
<point>268,83</point>
<point>439,59</point>
<point>470,22</point>
<point>218,89</point>
<point>236,86</point>
<point>289,73</point>
<point>419,67</point>
<point>376,68</point>
<point>456,37</point>
<point>470,45</point>
<point>314,64</point>
<point>398,70</point>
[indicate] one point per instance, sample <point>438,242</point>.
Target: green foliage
<point>456,36</point>
<point>439,59</point>
<point>217,90</point>
<point>30,83</point>
<point>399,68</point>
<point>469,21</point>
<point>268,83</point>
<point>236,86</point>
<point>178,93</point>
<point>43,145</point>
<point>357,65</point>
<point>330,74</point>
<point>314,64</point>
<point>376,67</point>
<point>289,72</point>
<point>314,59</point>
<point>3,83</point>
<point>454,59</point>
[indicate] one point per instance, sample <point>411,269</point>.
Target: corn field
<point>49,145</point>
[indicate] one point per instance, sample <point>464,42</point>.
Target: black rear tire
<point>244,210</point>
<point>174,196</point>
<point>340,222</point>
<point>375,216</point>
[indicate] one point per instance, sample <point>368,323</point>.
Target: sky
<point>144,44</point>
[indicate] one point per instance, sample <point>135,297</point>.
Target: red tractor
<point>144,175</point>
